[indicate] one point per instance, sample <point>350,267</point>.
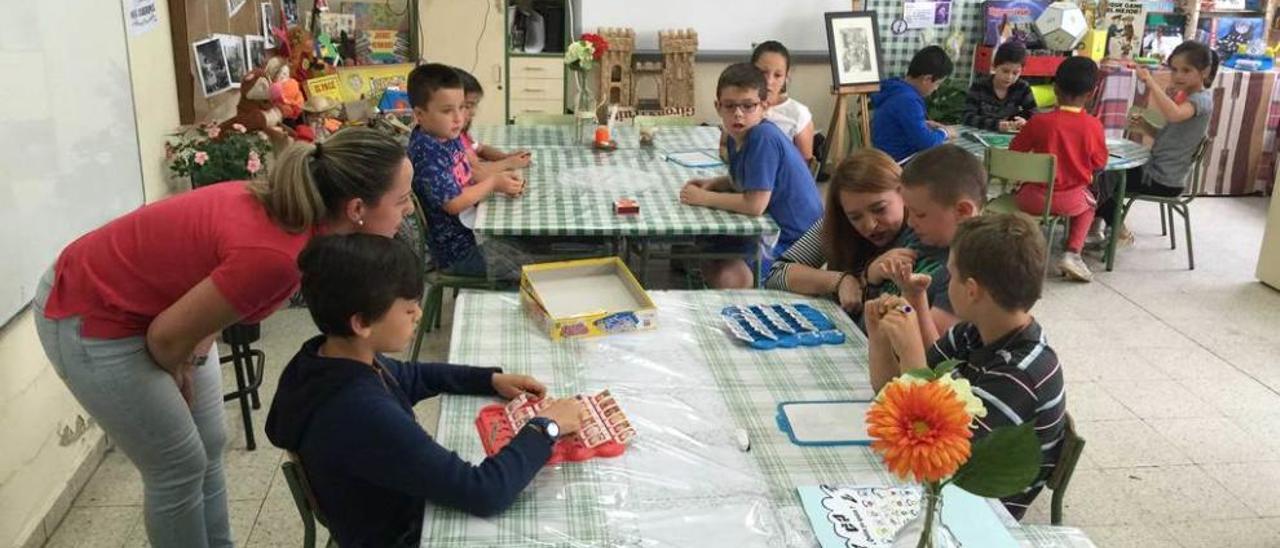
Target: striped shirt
<point>808,251</point>
<point>1018,378</point>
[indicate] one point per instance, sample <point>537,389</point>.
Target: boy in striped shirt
<point>996,267</point>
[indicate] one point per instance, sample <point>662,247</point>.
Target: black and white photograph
<point>211,63</point>
<point>233,50</point>
<point>269,21</point>
<point>291,12</point>
<point>854,43</point>
<point>233,6</point>
<point>255,52</point>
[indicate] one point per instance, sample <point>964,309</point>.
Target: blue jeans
<point>177,449</point>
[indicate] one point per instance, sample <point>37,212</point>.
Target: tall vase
<point>584,110</point>
<point>927,529</point>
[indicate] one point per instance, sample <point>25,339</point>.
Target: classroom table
<point>1122,154</point>
<point>687,386</point>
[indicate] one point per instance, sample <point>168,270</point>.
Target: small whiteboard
<point>824,423</point>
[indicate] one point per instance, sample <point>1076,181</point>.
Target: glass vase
<point>584,110</point>
<point>927,530</point>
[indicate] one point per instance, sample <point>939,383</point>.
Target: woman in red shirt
<point>129,312</point>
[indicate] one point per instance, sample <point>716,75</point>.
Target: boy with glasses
<point>766,175</point>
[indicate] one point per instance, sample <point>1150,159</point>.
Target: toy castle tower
<point>617,85</point>
<point>678,48</point>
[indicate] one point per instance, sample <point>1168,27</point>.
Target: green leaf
<point>1003,463</point>
<point>945,368</point>
<point>922,373</point>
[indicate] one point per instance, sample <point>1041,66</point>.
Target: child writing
<point>1001,101</point>
<point>766,176</point>
<point>1077,140</point>
<point>942,187</point>
<point>346,410</point>
<point>900,125</point>
<point>443,178</point>
<point>790,115</point>
<point>996,275</point>
<point>1192,67</point>
<point>485,159</point>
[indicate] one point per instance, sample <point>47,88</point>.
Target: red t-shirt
<point>1075,138</point>
<point>121,276</point>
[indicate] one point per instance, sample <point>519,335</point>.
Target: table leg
<point>1116,218</point>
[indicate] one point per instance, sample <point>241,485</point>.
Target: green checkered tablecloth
<point>1122,153</point>
<point>571,191</point>
<point>687,387</point>
<point>669,139</point>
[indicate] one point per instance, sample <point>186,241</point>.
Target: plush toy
<point>255,111</point>
<point>301,49</point>
<point>285,92</point>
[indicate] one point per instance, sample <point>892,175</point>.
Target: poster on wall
<point>1124,20</point>
<point>1164,31</point>
<point>1013,20</point>
<point>142,16</point>
<point>1227,34</point>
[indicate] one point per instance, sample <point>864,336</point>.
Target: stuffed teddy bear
<point>255,110</point>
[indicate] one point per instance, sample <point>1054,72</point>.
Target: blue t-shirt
<point>769,161</point>
<point>440,169</point>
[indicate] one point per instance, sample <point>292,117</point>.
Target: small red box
<point>626,206</point>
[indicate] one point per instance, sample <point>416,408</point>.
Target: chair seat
<point>1003,203</point>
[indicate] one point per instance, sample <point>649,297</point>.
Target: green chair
<point>1177,204</point>
<point>1072,446</point>
<point>1007,168</point>
<point>664,121</point>
<point>543,119</point>
<point>305,501</point>
<point>436,282</point>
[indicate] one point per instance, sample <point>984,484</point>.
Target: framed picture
<point>211,66</point>
<point>233,50</point>
<point>255,52</point>
<point>269,22</point>
<point>234,6</point>
<point>854,41</point>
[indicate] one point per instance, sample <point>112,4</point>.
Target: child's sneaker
<point>1073,267</point>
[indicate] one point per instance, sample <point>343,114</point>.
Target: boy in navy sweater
<point>901,126</point>
<point>346,410</point>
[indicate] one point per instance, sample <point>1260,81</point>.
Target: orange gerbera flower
<point>921,430</point>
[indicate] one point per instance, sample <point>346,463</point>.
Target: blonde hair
<point>309,183</point>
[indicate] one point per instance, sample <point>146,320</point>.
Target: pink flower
<point>201,157</point>
<point>254,164</point>
<point>168,152</point>
<point>213,132</point>
<point>239,127</point>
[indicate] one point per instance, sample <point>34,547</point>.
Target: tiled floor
<point>1174,380</point>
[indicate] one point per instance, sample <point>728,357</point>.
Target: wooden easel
<point>837,130</point>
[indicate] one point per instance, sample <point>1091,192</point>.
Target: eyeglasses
<point>747,108</point>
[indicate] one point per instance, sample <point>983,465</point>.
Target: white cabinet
<point>1269,257</point>
<point>470,35</point>
<point>537,84</point>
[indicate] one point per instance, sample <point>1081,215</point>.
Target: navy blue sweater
<point>898,125</point>
<point>370,464</point>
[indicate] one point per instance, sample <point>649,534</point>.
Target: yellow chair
<point>1008,168</point>
<point>543,119</point>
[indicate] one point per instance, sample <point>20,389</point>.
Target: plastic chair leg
<point>1173,240</point>
<point>1164,224</point>
<point>1186,221</point>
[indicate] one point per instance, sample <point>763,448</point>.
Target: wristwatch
<point>548,427</point>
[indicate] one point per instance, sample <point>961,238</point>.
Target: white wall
<point>45,434</point>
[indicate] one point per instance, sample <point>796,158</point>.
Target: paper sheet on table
<point>868,516</point>
<point>825,422</point>
<point>694,158</point>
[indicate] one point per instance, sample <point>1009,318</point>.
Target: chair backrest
<point>414,230</point>
<point>543,119</point>
<point>1197,167</point>
<point>664,121</point>
<point>1009,167</point>
<point>303,499</point>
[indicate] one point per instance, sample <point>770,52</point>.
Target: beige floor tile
<point>1255,484</point>
<point>1087,401</point>
<point>1238,397</point>
<point>1117,364</point>
<point>1214,440</point>
<point>1181,493</point>
<point>116,483</point>
<point>278,523</point>
<point>249,473</point>
<point>1095,498</point>
<point>1158,399</point>
<point>1236,533</point>
<point>1124,444</point>
<point>1187,363</point>
<point>105,526</point>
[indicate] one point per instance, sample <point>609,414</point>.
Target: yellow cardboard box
<point>369,81</point>
<point>585,298</point>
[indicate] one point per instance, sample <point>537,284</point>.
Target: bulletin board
<point>897,48</point>
<point>192,20</point>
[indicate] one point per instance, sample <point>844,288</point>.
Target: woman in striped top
<point>862,227</point>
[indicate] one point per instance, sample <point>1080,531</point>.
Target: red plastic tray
<point>496,430</point>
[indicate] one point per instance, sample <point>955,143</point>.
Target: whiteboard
<point>69,155</point>
<point>722,25</point>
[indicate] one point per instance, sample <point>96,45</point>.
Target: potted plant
<point>207,154</point>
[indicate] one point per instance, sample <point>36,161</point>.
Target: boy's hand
<point>510,183</point>
<point>519,159</point>
<point>879,270</point>
<point>849,294</point>
<point>566,413</point>
<point>509,386</point>
<point>903,275</point>
<point>901,329</point>
<point>872,311</point>
<point>693,193</point>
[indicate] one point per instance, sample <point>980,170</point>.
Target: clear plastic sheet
<point>688,387</point>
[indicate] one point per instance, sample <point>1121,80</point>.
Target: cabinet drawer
<point>528,90</point>
<point>519,107</point>
<point>539,68</point>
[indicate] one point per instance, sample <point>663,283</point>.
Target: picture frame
<point>233,6</point>
<point>211,66</point>
<point>269,21</point>
<point>234,51</point>
<point>255,51</point>
<point>853,39</point>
